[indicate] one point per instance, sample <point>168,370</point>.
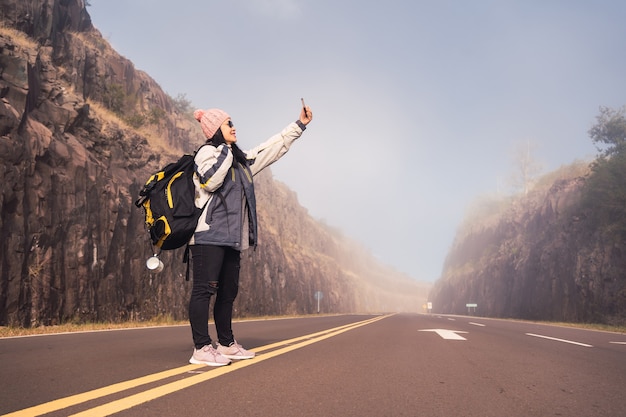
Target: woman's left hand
<point>306,115</point>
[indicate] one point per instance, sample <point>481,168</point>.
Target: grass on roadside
<point>7,331</point>
<point>83,327</point>
<point>591,326</point>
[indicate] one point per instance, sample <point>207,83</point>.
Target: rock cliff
<point>80,131</point>
<point>540,256</point>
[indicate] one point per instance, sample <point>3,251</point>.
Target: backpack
<point>167,199</point>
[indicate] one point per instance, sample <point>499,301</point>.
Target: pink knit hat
<point>210,120</point>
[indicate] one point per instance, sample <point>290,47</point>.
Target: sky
<point>418,105</point>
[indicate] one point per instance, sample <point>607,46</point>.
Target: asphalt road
<point>352,365</point>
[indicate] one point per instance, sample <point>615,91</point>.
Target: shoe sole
<point>197,362</point>
<point>235,357</point>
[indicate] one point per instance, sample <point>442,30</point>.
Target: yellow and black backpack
<point>168,198</point>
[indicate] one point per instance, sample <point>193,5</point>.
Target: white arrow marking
<point>446,334</point>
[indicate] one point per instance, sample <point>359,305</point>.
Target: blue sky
<point>418,105</point>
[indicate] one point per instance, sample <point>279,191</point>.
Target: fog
<point>418,105</point>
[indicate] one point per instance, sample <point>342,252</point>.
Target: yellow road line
<point>100,392</point>
<point>151,394</point>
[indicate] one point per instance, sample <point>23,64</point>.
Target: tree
<point>113,98</point>
<point>609,133</point>
<point>604,195</point>
<point>526,167</point>
<point>182,104</point>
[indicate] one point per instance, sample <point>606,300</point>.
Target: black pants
<point>215,270</point>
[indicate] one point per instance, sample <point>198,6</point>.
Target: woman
<point>228,225</point>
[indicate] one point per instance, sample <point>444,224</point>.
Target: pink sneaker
<point>208,356</point>
<point>235,351</point>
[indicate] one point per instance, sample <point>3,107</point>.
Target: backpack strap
<point>186,253</point>
<point>186,261</point>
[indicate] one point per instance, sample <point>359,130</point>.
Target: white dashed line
<point>559,340</point>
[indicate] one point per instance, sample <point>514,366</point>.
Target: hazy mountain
<point>557,253</point>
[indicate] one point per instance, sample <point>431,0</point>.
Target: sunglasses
<point>230,123</point>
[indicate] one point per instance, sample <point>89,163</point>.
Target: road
<point>345,365</point>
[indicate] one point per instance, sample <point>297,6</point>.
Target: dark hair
<point>240,156</point>
<point>218,139</point>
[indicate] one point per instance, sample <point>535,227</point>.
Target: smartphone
<point>304,107</point>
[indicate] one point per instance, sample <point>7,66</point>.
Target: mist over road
<point>348,365</point>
